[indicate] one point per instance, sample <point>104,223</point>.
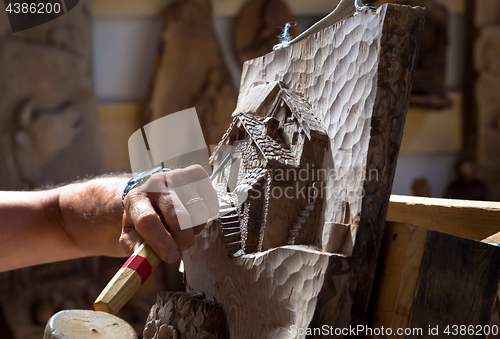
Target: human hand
<point>167,212</point>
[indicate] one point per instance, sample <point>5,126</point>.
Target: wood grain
<point>427,278</point>
<point>458,284</point>
<point>475,220</point>
<point>429,85</point>
<point>125,283</point>
<point>357,77</point>
<point>398,272</point>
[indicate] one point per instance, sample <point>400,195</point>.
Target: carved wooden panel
<point>357,78</point>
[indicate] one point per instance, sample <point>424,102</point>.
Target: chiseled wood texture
<point>191,71</point>
<point>429,278</point>
<point>262,294</point>
<point>475,220</point>
<point>429,85</point>
<point>399,40</point>
<point>185,316</point>
<point>357,75</point>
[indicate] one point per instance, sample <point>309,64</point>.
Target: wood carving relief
<point>282,149</point>
<point>49,112</point>
<point>185,316</point>
<point>191,70</point>
<point>336,100</point>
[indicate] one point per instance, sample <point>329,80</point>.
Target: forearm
<point>92,214</point>
<point>27,233</point>
<point>68,222</point>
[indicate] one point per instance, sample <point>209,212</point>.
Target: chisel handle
<point>127,280</point>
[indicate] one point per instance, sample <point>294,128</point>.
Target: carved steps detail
<point>301,220</point>
<point>227,230</point>
<point>231,224</point>
<point>231,232</point>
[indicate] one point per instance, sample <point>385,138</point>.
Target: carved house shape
<point>282,145</point>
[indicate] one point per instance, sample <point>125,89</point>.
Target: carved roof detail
<point>263,103</point>
<point>270,148</point>
<point>253,176</point>
<point>301,109</point>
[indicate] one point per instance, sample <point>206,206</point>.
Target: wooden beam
<point>427,278</point>
<point>400,258</point>
<point>475,220</point>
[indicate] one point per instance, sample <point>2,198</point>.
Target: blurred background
<point>74,89</point>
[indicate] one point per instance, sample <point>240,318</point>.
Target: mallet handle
<point>127,280</point>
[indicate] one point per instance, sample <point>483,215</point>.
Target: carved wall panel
<point>48,119</point>
<point>357,76</point>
